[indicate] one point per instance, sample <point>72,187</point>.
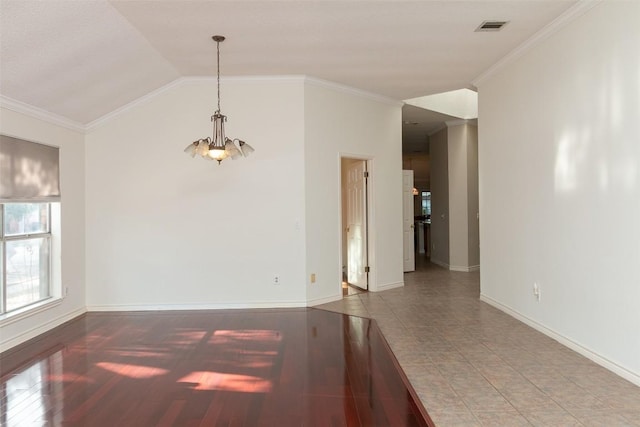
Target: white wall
<point>439,151</point>
<point>341,123</point>
<point>473,238</point>
<point>72,171</point>
<point>458,197</point>
<point>168,231</point>
<point>559,157</point>
<point>454,224</point>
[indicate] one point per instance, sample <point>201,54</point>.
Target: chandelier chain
<point>218,58</point>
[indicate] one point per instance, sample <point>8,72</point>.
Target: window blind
<point>29,172</point>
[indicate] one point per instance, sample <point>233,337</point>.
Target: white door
<point>408,249</point>
<point>356,189</point>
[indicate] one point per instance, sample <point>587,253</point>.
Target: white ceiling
<point>83,59</point>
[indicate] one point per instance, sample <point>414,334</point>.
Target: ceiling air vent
<point>491,25</point>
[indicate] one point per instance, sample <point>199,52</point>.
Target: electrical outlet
<point>313,277</point>
<point>276,280</point>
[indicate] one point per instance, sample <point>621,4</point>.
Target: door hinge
<point>366,174</point>
<point>367,269</point>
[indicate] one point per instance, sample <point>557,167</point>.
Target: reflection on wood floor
<point>288,367</point>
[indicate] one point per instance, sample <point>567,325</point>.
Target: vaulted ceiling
<point>81,60</point>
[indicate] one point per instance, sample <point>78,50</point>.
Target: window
<point>25,254</point>
<point>426,203</point>
<point>29,227</point>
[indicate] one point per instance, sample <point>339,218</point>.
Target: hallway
<point>473,365</point>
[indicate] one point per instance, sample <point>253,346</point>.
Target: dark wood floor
<point>294,367</point>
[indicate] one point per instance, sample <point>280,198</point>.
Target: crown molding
<point>244,79</point>
<point>144,98</point>
<point>40,114</point>
<point>21,107</point>
<point>457,122</point>
<point>185,80</point>
<point>451,123</point>
<point>287,78</point>
<point>574,12</point>
<point>438,129</point>
<point>353,91</point>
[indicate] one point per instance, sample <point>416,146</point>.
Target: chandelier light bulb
<point>217,153</point>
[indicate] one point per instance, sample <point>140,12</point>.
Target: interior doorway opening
<point>354,227</point>
<point>408,222</point>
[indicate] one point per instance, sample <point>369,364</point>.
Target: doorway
<point>408,222</point>
<point>355,232</point>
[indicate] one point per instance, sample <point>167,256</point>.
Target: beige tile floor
<point>473,365</point>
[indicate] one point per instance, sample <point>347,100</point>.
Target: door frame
<point>371,244</point>
<point>410,212</point>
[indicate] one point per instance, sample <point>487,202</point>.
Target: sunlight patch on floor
<point>207,380</point>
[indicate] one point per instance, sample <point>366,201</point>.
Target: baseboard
<point>464,269</point>
<point>388,286</point>
<point>208,306</point>
<point>40,329</point>
<point>440,263</point>
<point>595,357</point>
<point>325,300</point>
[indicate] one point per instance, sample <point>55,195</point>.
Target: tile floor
<point>473,365</point>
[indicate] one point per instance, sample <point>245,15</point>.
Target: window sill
<point>28,311</point>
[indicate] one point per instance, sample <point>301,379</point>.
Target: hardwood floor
<point>293,367</point>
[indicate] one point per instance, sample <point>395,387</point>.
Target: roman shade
<point>29,172</point>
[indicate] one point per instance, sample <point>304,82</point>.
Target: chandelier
<point>219,147</point>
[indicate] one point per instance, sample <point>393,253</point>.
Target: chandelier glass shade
<point>218,147</point>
